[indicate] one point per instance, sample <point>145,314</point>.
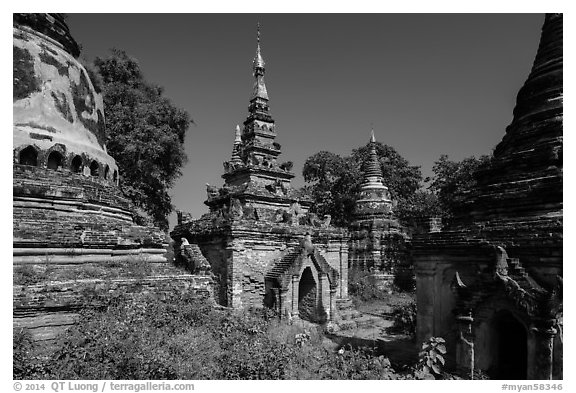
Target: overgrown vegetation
<point>404,316</point>
<point>184,338</point>
<point>362,287</point>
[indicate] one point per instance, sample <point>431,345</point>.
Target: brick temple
<point>263,245</point>
<point>491,281</point>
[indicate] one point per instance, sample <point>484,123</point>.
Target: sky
<point>429,84</point>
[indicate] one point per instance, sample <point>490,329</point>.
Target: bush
<point>404,317</point>
<point>362,287</point>
<point>180,337</point>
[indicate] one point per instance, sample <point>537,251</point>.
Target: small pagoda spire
<point>259,70</point>
<point>371,167</point>
<point>236,149</point>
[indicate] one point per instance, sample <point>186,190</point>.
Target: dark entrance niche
<point>94,169</point>
<point>54,160</point>
<point>106,172</point>
<point>29,156</point>
<point>510,358</point>
<point>115,176</point>
<point>76,165</point>
<point>307,299</point>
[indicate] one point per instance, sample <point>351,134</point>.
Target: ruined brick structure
<point>73,230</point>
<point>376,237</point>
<point>491,281</point>
<point>254,234</point>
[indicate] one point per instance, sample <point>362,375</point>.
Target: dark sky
<point>430,84</point>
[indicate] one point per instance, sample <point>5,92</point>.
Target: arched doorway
<point>511,347</point>
<point>54,160</point>
<point>28,156</point>
<point>76,164</point>
<point>94,169</point>
<point>307,296</point>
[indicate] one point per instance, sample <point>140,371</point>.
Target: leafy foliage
<point>179,337</point>
<point>363,288</point>
<point>451,178</point>
<point>145,134</point>
<point>335,182</point>
<point>404,317</point>
<point>431,359</point>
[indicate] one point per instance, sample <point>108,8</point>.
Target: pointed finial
<point>258,60</point>
<point>372,137</point>
<point>238,137</point>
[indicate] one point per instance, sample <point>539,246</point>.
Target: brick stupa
<point>73,230</point>
<point>376,238</point>
<point>491,282</point>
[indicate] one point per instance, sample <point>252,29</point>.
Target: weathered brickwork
<point>257,223</point>
<point>491,282</point>
<point>75,240</point>
<point>242,253</point>
<point>49,308</point>
<point>377,241</point>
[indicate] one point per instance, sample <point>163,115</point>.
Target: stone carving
<point>250,213</point>
<point>295,213</point>
<point>287,166</point>
<point>191,257</point>
<point>255,160</point>
<point>501,261</point>
<point>236,210</point>
<point>186,253</point>
<point>312,219</point>
<point>211,191</point>
<point>277,187</point>
<point>183,217</point>
<point>522,298</point>
<point>308,247</point>
<point>467,349</point>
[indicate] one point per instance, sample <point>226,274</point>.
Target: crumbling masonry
<point>491,282</point>
<point>263,245</point>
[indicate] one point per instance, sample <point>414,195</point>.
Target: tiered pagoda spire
<point>255,150</point>
<point>259,70</point>
<point>374,198</point>
<point>253,175</point>
<point>371,167</point>
<point>236,159</point>
<point>374,230</point>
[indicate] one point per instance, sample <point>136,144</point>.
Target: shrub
<point>404,317</point>
<point>362,286</point>
<point>179,337</point>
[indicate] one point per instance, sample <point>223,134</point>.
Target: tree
<point>451,178</point>
<point>145,134</point>
<point>335,182</point>
<point>333,185</point>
